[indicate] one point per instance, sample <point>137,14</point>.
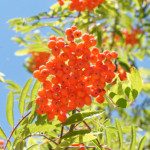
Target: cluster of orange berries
<point>81,5</point>
<point>122,73</point>
<point>36,60</point>
<point>131,38</point>
<point>1,144</point>
<point>76,74</point>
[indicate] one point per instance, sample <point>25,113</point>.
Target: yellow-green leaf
<point>9,109</point>
<point>23,95</point>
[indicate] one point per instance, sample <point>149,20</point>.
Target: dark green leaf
<point>74,133</point>
<point>78,117</point>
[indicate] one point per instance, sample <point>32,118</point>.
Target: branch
<point>38,134</point>
<point>16,128</point>
<point>52,17</point>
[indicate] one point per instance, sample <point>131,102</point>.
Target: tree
<point>85,72</point>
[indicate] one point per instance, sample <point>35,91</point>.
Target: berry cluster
<point>77,73</point>
<point>1,144</point>
<point>36,60</point>
<point>122,73</point>
<point>131,38</point>
<point>81,5</point>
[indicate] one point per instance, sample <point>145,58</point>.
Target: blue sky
<point>11,65</point>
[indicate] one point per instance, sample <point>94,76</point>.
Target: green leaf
<point>13,85</point>
<point>58,31</point>
<point>33,146</point>
<point>96,144</point>
<point>74,133</point>
<point>88,137</point>
<point>23,95</point>
<point>35,90</point>
<point>2,134</point>
<point>135,80</point>
<point>120,135</point>
<point>65,144</point>
<point>108,138</point>
<point>19,40</point>
<point>1,77</point>
<point>111,128</point>
<point>9,109</point>
<point>99,38</point>
<point>111,104</point>
<point>133,138</point>
<point>26,51</point>
<point>138,3</point>
<point>142,142</point>
<point>34,128</point>
<point>121,102</point>
<point>78,117</point>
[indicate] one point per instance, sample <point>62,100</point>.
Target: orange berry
<point>100,99</point>
<point>51,44</point>
<point>36,74</point>
<point>69,31</point>
<point>77,34</point>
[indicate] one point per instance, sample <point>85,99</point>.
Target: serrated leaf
<point>65,144</point>
<point>9,109</point>
<point>78,117</point>
<point>74,133</point>
<point>2,134</point>
<point>133,138</point>
<point>120,135</point>
<point>23,95</point>
<point>34,90</point>
<point>142,142</point>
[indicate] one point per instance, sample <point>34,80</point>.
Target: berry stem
<point>16,128</point>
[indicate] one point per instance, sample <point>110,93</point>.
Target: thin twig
<point>38,134</point>
<point>16,128</point>
<point>96,139</point>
